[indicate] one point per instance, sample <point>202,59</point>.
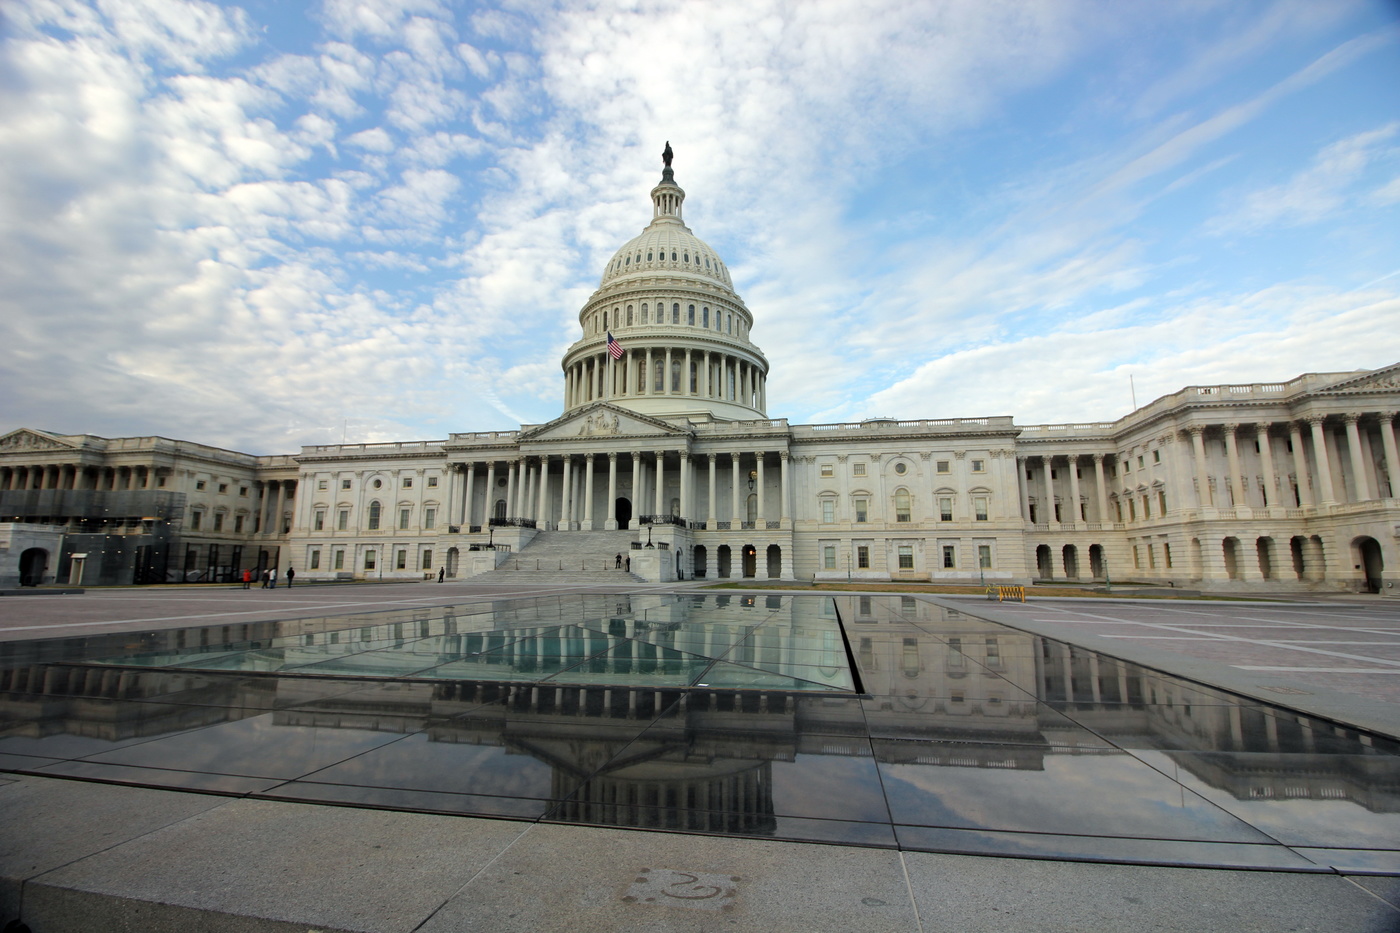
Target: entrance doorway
<point>1372,564</point>
<point>622,511</point>
<point>750,561</point>
<point>33,564</point>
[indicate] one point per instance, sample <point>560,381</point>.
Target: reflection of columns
<point>710,507</point>
<point>1266,461</point>
<point>588,491</point>
<point>1300,464</point>
<point>734,491</point>
<point>1048,513</point>
<point>760,516</point>
<point>1074,488</point>
<point>783,487</point>
<point>1101,488</point>
<point>1358,463</point>
<point>1324,463</point>
<point>1198,447</point>
<point>1392,455</point>
<point>610,523</point>
<point>660,482</point>
<point>1232,456</point>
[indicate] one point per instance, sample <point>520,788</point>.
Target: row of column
<point>716,375</point>
<point>531,492</point>
<point>270,525</point>
<point>72,476</point>
<point>1046,497</point>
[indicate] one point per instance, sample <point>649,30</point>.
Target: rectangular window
<point>342,519</point>
<point>1161,503</point>
<point>945,508</point>
<point>858,469</point>
<point>1157,454</point>
<point>1151,555</point>
<point>863,557</point>
<point>369,560</point>
<point>943,466</point>
<point>429,519</point>
<point>314,562</point>
<point>1167,554</point>
<point>950,556</point>
<point>218,521</point>
<point>829,557</point>
<point>1137,562</point>
<point>408,482</point>
<point>906,557</point>
<point>828,511</point>
<point>826,469</point>
<point>199,484</point>
<point>238,524</point>
<point>401,559</point>
<point>196,519</point>
<point>243,490</point>
<point>979,466</point>
<point>862,509</point>
<point>432,482</point>
<point>979,508</point>
<point>403,518</point>
<point>1140,463</point>
<point>223,488</point>
<point>339,560</point>
<point>427,563</point>
<point>984,556</point>
<point>318,522</point>
<point>345,484</point>
<point>321,483</point>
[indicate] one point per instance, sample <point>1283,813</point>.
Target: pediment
<point>601,420</point>
<point>1387,377</point>
<point>25,439</point>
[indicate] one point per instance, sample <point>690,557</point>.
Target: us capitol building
<point>665,440</point>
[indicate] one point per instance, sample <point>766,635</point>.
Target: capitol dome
<point>681,333</point>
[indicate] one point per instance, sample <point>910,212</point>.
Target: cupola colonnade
<point>671,371</point>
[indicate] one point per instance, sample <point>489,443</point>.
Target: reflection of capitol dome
<point>667,299</point>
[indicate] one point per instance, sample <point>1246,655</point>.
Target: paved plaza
<point>449,757</point>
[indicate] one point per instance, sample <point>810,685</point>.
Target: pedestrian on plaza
<point>629,563</point>
<point>442,574</point>
<point>291,575</point>
<point>272,578</point>
<point>262,575</point>
<point>617,562</point>
<point>247,579</point>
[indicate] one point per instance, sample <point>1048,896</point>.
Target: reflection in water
<point>635,738</point>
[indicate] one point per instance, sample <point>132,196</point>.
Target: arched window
<point>729,322</point>
<point>629,315</point>
<point>705,317</point>
<point>673,255</point>
<point>685,257</point>
<point>605,320</point>
<point>374,515</point>
<point>660,383</point>
<point>694,378</point>
<point>644,313</point>
<point>676,313</point>
<point>627,261</point>
<point>901,505</point>
<point>675,375</point>
<point>690,316</point>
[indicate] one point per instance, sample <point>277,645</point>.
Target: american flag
<point>614,348</point>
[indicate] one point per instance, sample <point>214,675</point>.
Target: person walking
<point>247,579</point>
<point>617,562</point>
<point>291,575</point>
<point>272,578</point>
<point>442,574</point>
<point>262,576</point>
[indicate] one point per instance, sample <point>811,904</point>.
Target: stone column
<point>1232,456</point>
<point>734,518</point>
<point>281,504</point>
<point>1198,447</point>
<point>1392,454</point>
<point>1300,464</point>
<point>647,376</point>
<point>1074,488</point>
<point>1023,487</point>
<point>512,467</point>
<point>708,383</point>
<point>541,502</point>
<point>566,495</point>
<point>660,482</point>
<point>1101,489</point>
<point>1266,463</point>
<point>784,516</point>
<point>1324,464</point>
<point>490,504</point>
<point>610,523</point>
<point>262,507</point>
<point>450,514</point>
<point>1358,462</point>
<point>666,379</point>
<point>710,506</point>
<point>636,489</point>
<point>685,485</point>
<point>1049,510</point>
<point>588,492</point>
<point>761,516</point>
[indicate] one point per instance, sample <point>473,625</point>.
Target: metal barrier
<point>1003,593</point>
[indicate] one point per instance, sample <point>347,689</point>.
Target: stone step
<point>618,577</point>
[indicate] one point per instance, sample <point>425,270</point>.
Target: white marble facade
<point>1290,485</point>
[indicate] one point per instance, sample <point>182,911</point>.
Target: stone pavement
<point>76,855</point>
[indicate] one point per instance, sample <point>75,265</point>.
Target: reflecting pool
<point>882,721</point>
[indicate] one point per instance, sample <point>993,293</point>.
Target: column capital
<point>1314,420</point>
<point>1230,427</point>
<point>1196,430</point>
<point>588,458</point>
<point>1350,418</point>
<point>1387,415</point>
<point>612,456</point>
<point>783,455</point>
<point>1099,458</point>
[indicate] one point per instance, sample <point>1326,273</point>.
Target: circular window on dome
<point>378,483</point>
<point>901,468</point>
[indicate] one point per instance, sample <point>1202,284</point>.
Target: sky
<point>270,224</point>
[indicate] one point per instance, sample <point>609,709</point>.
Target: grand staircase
<point>567,557</point>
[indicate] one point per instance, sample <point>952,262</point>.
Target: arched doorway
<point>33,563</point>
<point>452,562</point>
<point>724,561</point>
<point>1265,547</point>
<point>751,509</point>
<point>1071,557</point>
<point>1230,547</point>
<point>500,509</point>
<point>698,557</point>
<point>775,562</point>
<point>1096,561</point>
<point>750,561</point>
<point>1296,546</point>
<point>1372,563</point>
<point>622,511</point>
<point>1042,562</point>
